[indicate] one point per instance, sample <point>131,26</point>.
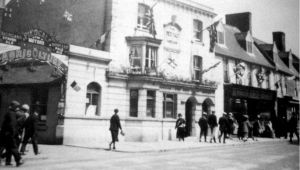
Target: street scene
<point>149,84</point>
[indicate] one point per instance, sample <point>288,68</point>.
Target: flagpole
<point>211,25</point>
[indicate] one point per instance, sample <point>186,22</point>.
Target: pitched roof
<point>233,49</point>
<point>268,50</point>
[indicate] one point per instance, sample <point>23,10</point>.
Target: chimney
<point>243,21</point>
<point>279,39</point>
<point>2,10</point>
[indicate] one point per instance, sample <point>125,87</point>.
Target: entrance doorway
<point>190,107</point>
<point>207,105</point>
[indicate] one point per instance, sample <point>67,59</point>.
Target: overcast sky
<point>267,16</point>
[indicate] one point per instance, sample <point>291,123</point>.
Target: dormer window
<point>198,26</point>
<point>221,37</point>
<point>143,16</point>
<point>249,46</point>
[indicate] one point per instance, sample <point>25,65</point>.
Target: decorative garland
<point>260,76</point>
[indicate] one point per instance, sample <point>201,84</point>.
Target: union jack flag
<point>212,29</point>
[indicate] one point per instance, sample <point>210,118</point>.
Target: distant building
<point>157,64</point>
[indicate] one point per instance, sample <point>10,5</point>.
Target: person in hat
<point>246,127</point>
<point>223,127</point>
<point>9,129</point>
<point>231,122</point>
<point>180,126</point>
<point>203,126</point>
<point>292,124</point>
<point>115,125</point>
<point>31,131</point>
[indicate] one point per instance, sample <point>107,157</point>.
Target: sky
<point>267,16</point>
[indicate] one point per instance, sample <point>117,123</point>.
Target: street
<point>273,156</point>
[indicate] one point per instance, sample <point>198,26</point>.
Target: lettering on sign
<point>172,36</point>
<point>30,52</point>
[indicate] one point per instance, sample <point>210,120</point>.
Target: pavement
<point>189,143</point>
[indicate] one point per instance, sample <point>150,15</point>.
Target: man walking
<point>9,129</point>
<point>31,131</point>
<point>293,126</point>
<point>115,125</point>
<point>212,122</point>
<point>224,127</point>
<point>203,126</point>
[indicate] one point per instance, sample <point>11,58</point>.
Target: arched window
<point>93,99</point>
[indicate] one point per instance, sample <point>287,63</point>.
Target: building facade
<point>155,63</point>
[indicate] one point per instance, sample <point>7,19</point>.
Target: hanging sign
<point>29,52</point>
<point>35,36</point>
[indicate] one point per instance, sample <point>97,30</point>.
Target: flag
<point>75,86</point>
<point>151,24</point>
<point>212,29</point>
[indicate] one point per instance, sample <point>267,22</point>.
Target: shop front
<point>252,101</point>
<point>31,73</point>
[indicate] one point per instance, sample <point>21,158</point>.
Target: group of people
<point>19,125</point>
<point>228,124</point>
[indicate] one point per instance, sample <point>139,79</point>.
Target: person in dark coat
<point>231,122</point>
<point>180,126</point>
<point>223,127</point>
<point>212,123</point>
<point>9,130</point>
<point>115,125</point>
<point>292,124</point>
<point>203,126</point>
<point>31,131</point>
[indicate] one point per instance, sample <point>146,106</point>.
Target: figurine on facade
<point>239,71</point>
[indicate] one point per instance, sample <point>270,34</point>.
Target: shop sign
<point>30,51</point>
<point>35,36</point>
<point>172,36</point>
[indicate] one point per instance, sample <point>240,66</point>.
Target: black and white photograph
<point>149,84</point>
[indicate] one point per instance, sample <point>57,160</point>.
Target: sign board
<point>172,36</point>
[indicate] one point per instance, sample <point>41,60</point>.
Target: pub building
<point>151,60</point>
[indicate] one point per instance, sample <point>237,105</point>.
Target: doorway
<point>190,107</point>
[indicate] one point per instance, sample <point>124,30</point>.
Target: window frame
<point>198,31</point>
<point>197,68</point>
<point>91,94</point>
<point>133,102</point>
<point>219,37</point>
<point>142,18</point>
<point>151,98</point>
<point>151,60</point>
<point>249,44</point>
<point>174,105</point>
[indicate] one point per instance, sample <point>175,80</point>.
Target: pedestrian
<point>203,126</point>
<point>292,124</point>
<point>223,127</point>
<point>9,129</point>
<point>31,130</point>
<point>212,123</point>
<point>115,125</point>
<point>21,118</point>
<point>245,127</point>
<point>180,126</point>
<point>231,122</point>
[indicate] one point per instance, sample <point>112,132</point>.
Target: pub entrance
<point>190,107</point>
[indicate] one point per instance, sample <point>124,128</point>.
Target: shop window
<point>150,103</point>
<point>39,103</point>
<point>151,57</point>
<point>169,105</point>
<point>198,26</point>
<point>221,37</point>
<point>93,95</point>
<point>136,58</point>
<point>134,98</point>
<point>249,46</point>
<point>198,68</point>
<point>143,16</point>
